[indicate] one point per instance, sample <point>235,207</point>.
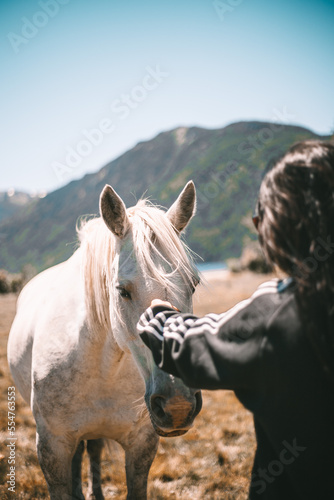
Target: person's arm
<point>213,352</point>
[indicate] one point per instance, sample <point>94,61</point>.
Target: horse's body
<point>75,354</point>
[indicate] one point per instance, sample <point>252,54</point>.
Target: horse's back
<point>37,307</point>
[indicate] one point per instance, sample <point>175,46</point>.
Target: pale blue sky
<point>258,60</point>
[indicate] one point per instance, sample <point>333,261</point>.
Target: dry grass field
<point>212,461</point>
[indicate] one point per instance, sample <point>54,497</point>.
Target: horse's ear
<point>113,212</point>
<point>183,208</point>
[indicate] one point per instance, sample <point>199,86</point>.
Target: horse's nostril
<point>157,406</point>
<point>199,402</point>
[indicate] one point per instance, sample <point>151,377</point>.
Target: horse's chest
<point>91,406</point>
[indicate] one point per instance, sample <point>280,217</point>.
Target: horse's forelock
<point>156,241</point>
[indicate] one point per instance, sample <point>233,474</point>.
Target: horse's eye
<point>123,292</point>
<point>196,281</point>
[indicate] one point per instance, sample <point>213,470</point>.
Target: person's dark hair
<point>296,232</point>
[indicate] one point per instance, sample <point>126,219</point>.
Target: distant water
<point>211,266</point>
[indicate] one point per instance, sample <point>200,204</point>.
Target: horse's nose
<point>175,412</point>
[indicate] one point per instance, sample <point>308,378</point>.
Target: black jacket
<point>260,350</point>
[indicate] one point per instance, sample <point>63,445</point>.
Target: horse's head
<point>150,261</point>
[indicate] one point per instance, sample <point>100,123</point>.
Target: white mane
<point>154,239</point>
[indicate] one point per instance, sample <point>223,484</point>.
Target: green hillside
<point>12,202</point>
<point>226,165</point>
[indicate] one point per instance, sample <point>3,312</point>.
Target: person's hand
<point>158,302</point>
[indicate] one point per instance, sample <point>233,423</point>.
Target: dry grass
<point>212,461</point>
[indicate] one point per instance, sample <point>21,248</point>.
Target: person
<point>276,349</point>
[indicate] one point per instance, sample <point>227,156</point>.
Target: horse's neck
<point>102,352</point>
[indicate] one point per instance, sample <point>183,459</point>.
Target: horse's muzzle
<point>174,416</point>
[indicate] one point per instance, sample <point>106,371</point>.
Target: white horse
<point>75,354</point>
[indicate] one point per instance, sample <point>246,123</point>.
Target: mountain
<point>226,165</point>
<point>12,202</point>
